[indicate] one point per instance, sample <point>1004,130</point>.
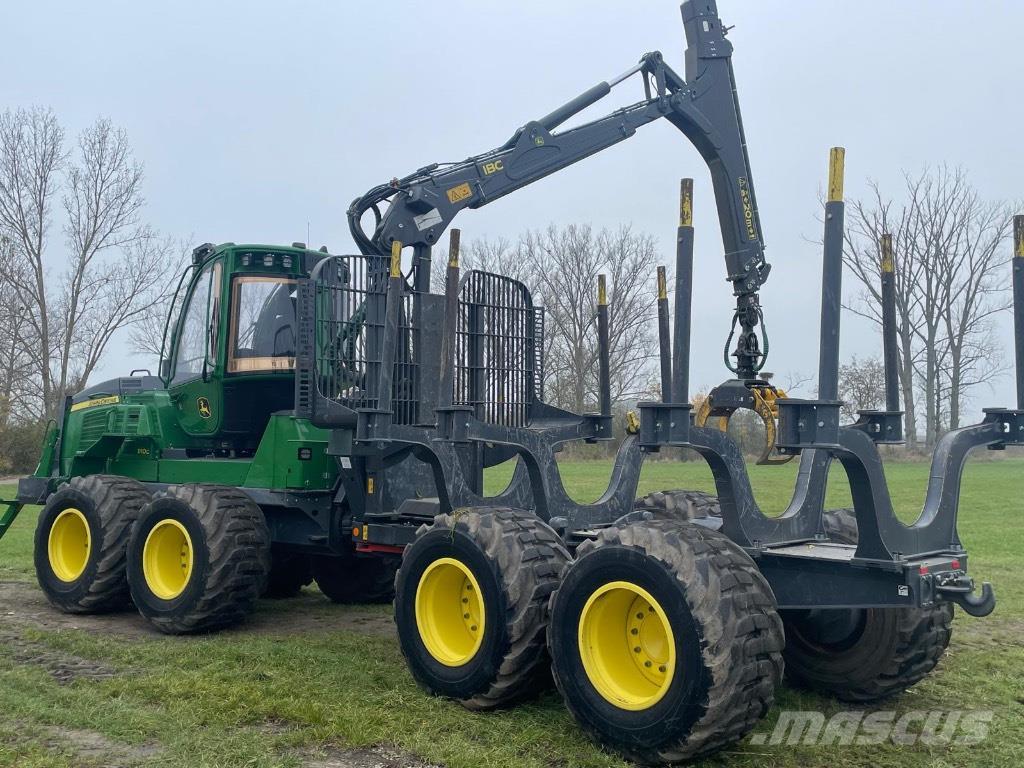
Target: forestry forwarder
<point>329,417</point>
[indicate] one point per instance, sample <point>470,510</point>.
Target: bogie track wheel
<point>80,542</point>
<point>471,604</point>
<point>198,558</point>
<point>665,641</point>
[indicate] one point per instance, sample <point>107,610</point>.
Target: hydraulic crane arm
<point>703,106</point>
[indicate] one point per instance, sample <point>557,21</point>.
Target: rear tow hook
<point>959,589</point>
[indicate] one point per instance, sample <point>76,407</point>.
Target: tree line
<point>78,263</point>
<point>952,275</point>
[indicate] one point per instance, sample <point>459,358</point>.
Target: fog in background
<point>260,121</point>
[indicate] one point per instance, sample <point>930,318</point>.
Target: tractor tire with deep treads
<point>471,604</point>
<point>198,558</point>
<point>706,628</point>
<point>80,542</point>
<point>289,573</point>
<point>679,504</point>
<point>865,654</point>
<point>351,578</point>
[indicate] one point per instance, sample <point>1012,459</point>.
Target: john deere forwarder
<point>328,417</point>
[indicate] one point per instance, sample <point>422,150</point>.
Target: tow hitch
<point>958,587</point>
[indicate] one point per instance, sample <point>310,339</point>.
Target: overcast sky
<point>258,119</point>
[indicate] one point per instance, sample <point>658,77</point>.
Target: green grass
<point>257,699</point>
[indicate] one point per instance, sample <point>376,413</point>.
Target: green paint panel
<point>280,461</point>
<point>220,471</point>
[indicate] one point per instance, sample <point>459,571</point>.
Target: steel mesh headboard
<point>499,349</point>
<point>349,298</point>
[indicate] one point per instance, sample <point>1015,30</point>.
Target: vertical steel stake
<point>451,322</point>
<point>832,279</point>
<point>684,295</point>
<point>889,347</point>
<point>1018,304</point>
<point>664,341</point>
<point>603,344</point>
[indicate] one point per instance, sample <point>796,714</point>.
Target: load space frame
<point>487,408</point>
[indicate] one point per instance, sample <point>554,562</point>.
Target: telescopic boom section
<point>703,106</point>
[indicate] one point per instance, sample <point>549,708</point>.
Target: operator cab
<point>231,361</point>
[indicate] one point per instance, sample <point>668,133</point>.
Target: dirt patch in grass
<point>378,756</point>
<point>991,633</point>
<point>22,604</point>
<point>87,747</point>
<point>94,746</point>
<point>63,667</point>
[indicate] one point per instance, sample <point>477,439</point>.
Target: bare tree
<point>117,267</point>
<point>861,386</point>
<point>146,334</point>
<point>559,266</point>
<point>565,263</point>
<point>948,246</point>
<point>17,390</point>
<point>972,293</point>
<point>866,221</point>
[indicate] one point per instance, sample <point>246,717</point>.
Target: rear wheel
<point>352,578</point>
<point>665,640</point>
<point>471,604</point>
<point>679,504</point>
<point>863,654</point>
<point>80,542</point>
<point>289,573</point>
<point>198,558</point>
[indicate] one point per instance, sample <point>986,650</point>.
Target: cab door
<point>196,374</point>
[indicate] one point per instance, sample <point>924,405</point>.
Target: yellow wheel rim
<point>69,544</point>
<point>167,559</point>
<point>627,646</point>
<point>450,612</point>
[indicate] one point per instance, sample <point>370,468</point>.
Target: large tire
<point>80,562</point>
<point>289,573</point>
<point>508,561</point>
<point>865,654</point>
<point>224,548</point>
<point>351,578</point>
<point>709,649</point>
<point>679,504</point>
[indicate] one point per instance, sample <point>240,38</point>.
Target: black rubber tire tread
<point>840,525</point>
<point>239,545</point>
<point>117,502</point>
<point>351,579</point>
<point>914,641</point>
<point>679,504</point>
<point>289,573</point>
<point>734,609</point>
<point>529,557</point>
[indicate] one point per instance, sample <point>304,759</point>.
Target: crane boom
<point>703,106</point>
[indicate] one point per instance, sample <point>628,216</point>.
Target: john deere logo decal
<point>204,407</point>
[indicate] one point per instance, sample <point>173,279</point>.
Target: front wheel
<point>665,642</point>
<point>471,604</point>
<point>198,558</point>
<point>80,542</point>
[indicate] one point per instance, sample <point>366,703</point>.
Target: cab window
<point>262,324</point>
<point>197,338</point>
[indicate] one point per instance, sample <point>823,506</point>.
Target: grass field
<point>305,683</point>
